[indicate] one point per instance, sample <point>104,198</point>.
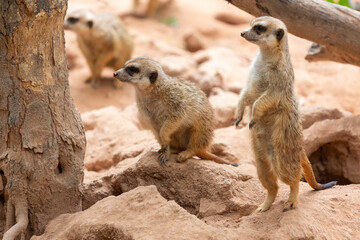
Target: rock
<point>224,105</point>
<point>219,67</point>
<point>310,115</point>
<point>112,136</point>
<point>177,65</point>
<point>193,42</point>
<point>143,213</point>
<point>232,19</point>
<point>138,214</point>
<point>189,184</point>
<point>233,145</point>
<point>334,149</point>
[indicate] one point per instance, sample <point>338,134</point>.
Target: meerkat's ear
<point>279,34</point>
<point>90,23</point>
<point>153,76</point>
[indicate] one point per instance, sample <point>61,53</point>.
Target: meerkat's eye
<point>73,20</point>
<point>131,70</point>
<point>259,29</point>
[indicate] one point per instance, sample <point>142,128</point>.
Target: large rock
<point>334,149</point>
<point>139,214</point>
<point>202,187</point>
<point>114,135</point>
<point>143,213</point>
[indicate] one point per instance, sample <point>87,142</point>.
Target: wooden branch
<point>333,26</point>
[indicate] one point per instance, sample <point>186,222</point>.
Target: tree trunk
<point>335,27</point>
<point>42,139</point>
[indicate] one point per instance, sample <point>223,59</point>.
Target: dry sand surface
<point>201,199</point>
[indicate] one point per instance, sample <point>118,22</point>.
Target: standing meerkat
<point>103,40</point>
<point>177,111</point>
<point>276,130</point>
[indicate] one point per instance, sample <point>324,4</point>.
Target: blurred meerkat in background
<point>151,8</point>
<point>103,39</point>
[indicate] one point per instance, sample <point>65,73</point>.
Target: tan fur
<point>177,111</point>
<point>103,40</point>
<point>276,130</point>
<point>151,7</point>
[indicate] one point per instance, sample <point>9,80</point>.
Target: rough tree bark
<point>335,27</point>
<point>42,139</point>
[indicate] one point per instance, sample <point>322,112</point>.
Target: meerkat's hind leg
<point>151,8</point>
<point>135,5</point>
<point>269,180</point>
<point>265,173</point>
<point>167,129</point>
<point>292,202</point>
<point>184,155</point>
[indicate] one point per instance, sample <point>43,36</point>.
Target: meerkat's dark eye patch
<point>73,20</point>
<point>153,76</point>
<point>90,23</point>
<point>279,34</point>
<point>131,70</point>
<point>259,29</point>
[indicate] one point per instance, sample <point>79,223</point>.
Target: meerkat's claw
<point>234,164</point>
<point>252,123</point>
<point>164,154</point>
<point>237,122</point>
<point>289,206</point>
<point>162,158</point>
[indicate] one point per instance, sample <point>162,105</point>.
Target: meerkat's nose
<point>243,33</point>
<point>115,74</point>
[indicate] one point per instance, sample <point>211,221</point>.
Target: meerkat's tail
<point>213,157</point>
<point>309,175</point>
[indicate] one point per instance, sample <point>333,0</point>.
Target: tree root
<point>16,208</point>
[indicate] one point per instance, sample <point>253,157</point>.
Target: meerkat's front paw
<point>164,154</point>
<point>289,205</point>
<point>252,123</point>
<point>238,118</point>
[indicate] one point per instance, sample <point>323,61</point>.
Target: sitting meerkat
<point>103,40</point>
<point>177,111</point>
<point>276,130</point>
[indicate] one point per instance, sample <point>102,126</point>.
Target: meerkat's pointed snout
<point>242,33</point>
<point>119,74</point>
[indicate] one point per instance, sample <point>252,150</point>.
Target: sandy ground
<point>326,84</point>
